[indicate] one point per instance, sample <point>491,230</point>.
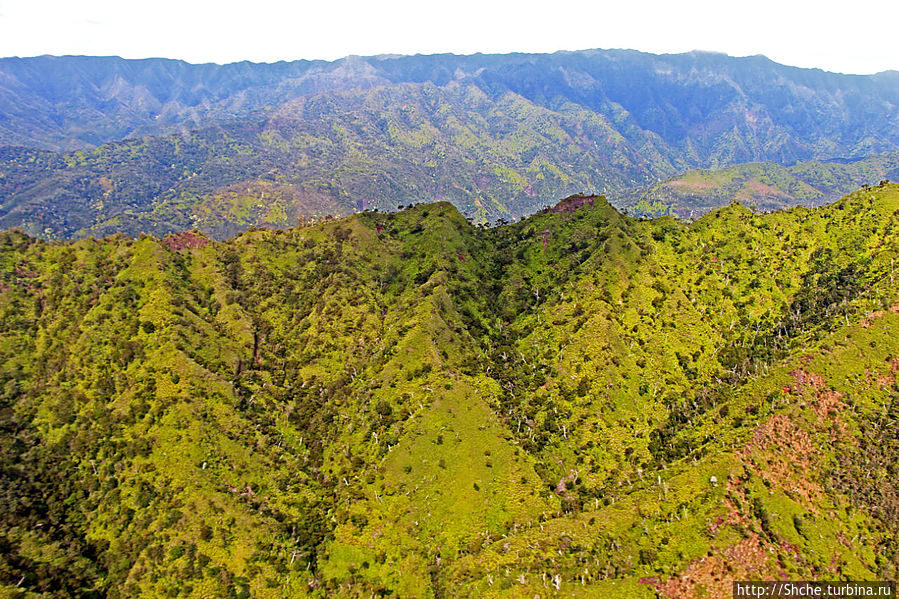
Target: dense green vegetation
<point>578,404</point>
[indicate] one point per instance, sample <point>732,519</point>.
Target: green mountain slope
<point>94,146</point>
<point>335,154</point>
<point>765,185</point>
<point>578,404</point>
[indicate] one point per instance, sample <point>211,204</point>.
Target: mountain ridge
<point>578,403</point>
<point>440,69</point>
<point>514,130</point>
<point>765,185</point>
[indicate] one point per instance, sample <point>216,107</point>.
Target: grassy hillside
<point>581,403</point>
<point>764,185</point>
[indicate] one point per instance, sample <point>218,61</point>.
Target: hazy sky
<point>855,39</point>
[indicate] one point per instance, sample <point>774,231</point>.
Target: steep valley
<point>582,403</point>
<point>91,146</point>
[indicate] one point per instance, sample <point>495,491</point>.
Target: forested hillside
<point>578,404</point>
<point>326,155</point>
<point>94,145</point>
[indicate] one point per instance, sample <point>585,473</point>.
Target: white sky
<point>859,37</point>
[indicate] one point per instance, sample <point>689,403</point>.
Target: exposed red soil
<point>784,454</point>
<point>690,185</point>
<point>573,203</point>
<point>807,379</point>
<point>712,576</point>
<point>186,240</point>
<point>869,319</point>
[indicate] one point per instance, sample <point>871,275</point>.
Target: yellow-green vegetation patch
<point>577,404</point>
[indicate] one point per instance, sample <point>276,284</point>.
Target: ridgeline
<point>578,404</point>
